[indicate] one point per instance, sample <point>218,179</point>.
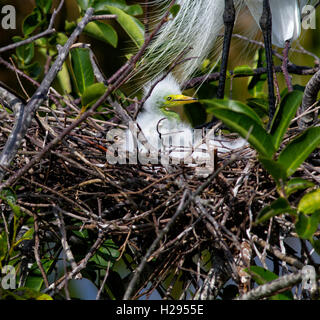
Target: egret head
<point>165,95</point>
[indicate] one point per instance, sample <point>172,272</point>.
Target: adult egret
<point>195,29</point>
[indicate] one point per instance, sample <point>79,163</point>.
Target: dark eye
<point>169,99</point>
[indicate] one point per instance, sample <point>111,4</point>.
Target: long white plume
<point>196,27</point>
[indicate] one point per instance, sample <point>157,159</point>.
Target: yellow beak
<point>181,99</point>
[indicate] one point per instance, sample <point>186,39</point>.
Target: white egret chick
<point>161,125</point>
<point>167,134</point>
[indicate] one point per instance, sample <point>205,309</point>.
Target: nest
<point>74,188</point>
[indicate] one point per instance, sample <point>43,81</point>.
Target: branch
<point>116,81</point>
<point>292,68</point>
<point>21,126</point>
<point>287,281</point>
<point>47,32</point>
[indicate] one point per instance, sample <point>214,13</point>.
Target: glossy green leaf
<point>91,94</point>
<point>24,293</point>
<point>134,10</point>
<point>44,5</point>
<point>279,206</point>
<point>103,32</point>
<point>129,25</point>
<point>310,202</point>
<point>306,226</point>
<point>296,184</point>
<point>31,22</point>
<point>285,113</point>
<point>257,83</point>
<point>84,4</point>
<point>34,280</point>
<point>298,150</point>
<point>106,255</point>
<point>245,124</point>
<point>233,105</point>
<point>262,276</point>
<point>25,53</point>
<point>34,70</point>
<point>82,68</point>
<point>28,235</point>
<point>259,105</point>
<point>315,244</point>
<point>63,77</point>
<point>277,172</point>
<point>101,6</point>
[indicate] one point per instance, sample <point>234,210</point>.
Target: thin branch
<point>45,33</point>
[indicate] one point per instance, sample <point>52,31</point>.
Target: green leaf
<point>296,184</point>
<point>28,235</point>
<point>134,10</point>
<point>259,105</point>
<point>277,172</point>
<point>233,105</point>
<point>298,150</point>
<point>306,226</point>
<point>175,10</point>
<point>310,202</point>
<point>316,244</point>
<point>82,68</point>
<point>279,206</point>
<point>63,77</point>
<point>262,276</point>
<point>244,121</point>
<point>25,53</point>
<point>285,113</point>
<point>103,32</point>
<point>34,69</point>
<point>31,22</point>
<point>44,5</point>
<point>91,94</point>
<point>106,255</point>
<point>84,4</point>
<point>130,25</point>
<point>34,280</point>
<point>257,83</point>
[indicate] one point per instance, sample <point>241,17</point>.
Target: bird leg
<point>266,27</point>
<point>228,19</point>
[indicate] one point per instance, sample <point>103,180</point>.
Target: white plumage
<point>170,137</point>
<point>196,27</point>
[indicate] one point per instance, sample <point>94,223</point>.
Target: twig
<point>15,139</point>
<point>47,32</point>
<point>36,250</point>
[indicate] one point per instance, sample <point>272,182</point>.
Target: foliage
<point>281,152</point>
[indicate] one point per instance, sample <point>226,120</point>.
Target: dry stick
<point>294,69</point>
<point>270,288</point>
<point>182,206</point>
<point>82,264</point>
<point>137,272</point>
<point>36,250</point>
<point>134,59</point>
<point>11,147</point>
<point>47,32</point>
<point>277,253</point>
<point>125,70</point>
